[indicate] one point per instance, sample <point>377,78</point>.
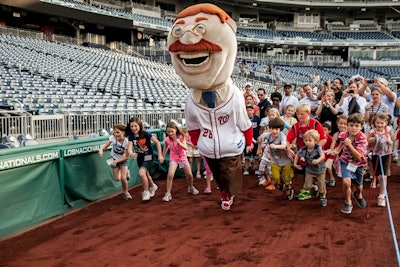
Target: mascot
<point>202,44</point>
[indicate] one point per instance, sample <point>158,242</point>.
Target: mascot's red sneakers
<point>226,200</point>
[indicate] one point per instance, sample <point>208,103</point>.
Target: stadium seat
<point>11,141</point>
<point>73,137</point>
<point>103,132</point>
<point>29,142</point>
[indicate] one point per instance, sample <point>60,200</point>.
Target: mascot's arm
<point>248,135</point>
<point>194,136</point>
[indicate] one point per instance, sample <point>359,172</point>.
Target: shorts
<point>252,154</point>
<point>329,163</point>
<point>377,165</point>
<point>356,177</point>
<point>144,163</point>
<point>193,153</point>
<point>180,164</point>
<point>122,163</point>
<point>282,173</point>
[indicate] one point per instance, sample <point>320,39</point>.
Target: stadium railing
<point>47,127</point>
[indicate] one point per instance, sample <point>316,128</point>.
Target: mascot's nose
<point>190,37</point>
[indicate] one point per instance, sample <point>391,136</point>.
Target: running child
<point>119,157</point>
<point>313,157</point>
<point>380,143</point>
<point>175,142</point>
<point>352,161</point>
<point>289,112</point>
<point>274,144</point>
<point>140,141</point>
<point>250,156</point>
<point>332,156</point>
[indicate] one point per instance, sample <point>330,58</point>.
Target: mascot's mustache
<point>203,45</point>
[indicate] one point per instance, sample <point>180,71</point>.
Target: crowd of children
<point>132,141</point>
<point>296,142</point>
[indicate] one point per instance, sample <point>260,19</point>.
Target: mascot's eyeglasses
<point>198,29</point>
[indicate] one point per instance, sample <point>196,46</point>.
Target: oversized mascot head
<point>203,46</point>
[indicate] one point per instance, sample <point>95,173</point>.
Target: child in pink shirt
<point>176,143</point>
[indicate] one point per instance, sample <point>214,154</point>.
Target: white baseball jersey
<point>221,128</point>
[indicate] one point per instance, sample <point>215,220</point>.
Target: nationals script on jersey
<point>220,127</point>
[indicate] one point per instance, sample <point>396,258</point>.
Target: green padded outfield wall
<point>44,181</point>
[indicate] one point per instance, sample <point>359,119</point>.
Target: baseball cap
<point>287,85</point>
<point>248,84</point>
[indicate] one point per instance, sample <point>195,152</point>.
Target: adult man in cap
<point>288,98</point>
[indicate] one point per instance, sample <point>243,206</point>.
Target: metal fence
<point>44,127</point>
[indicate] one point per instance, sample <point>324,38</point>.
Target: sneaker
<point>167,197</point>
<point>126,196</point>
<point>289,194</point>
<point>304,195</point>
<point>323,201</point>
<point>381,202</point>
<point>198,175</point>
<point>270,187</point>
<point>256,172</point>
<point>314,191</point>
<point>347,208</point>
<point>331,183</point>
<point>360,201</point>
<point>265,183</point>
<point>192,190</point>
<point>153,190</point>
<point>261,180</point>
<point>207,190</point>
<point>225,205</point>
<point>281,186</point>
<point>246,172</point>
<point>226,201</point>
<point>145,195</point>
